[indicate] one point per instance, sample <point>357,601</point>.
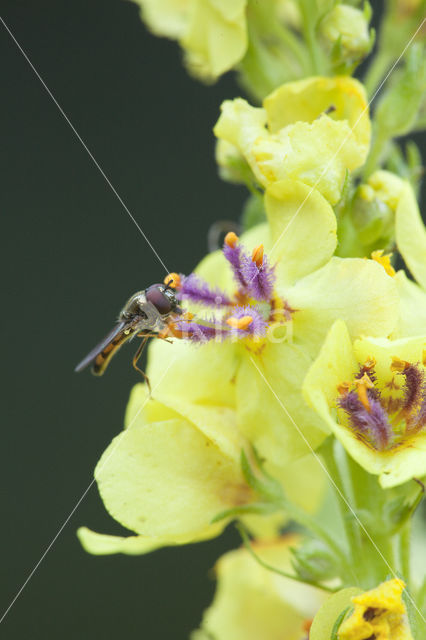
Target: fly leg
<point>145,337</point>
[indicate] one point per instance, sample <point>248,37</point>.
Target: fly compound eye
<point>156,295</point>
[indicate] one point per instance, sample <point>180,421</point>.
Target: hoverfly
<point>144,315</point>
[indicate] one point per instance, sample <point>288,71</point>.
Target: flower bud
<point>313,561</point>
<point>348,27</point>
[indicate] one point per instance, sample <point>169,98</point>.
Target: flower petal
<point>293,210</point>
<point>168,479</point>
<point>324,621</point>
<point>317,153</point>
<point>251,603</point>
<point>165,17</point>
<point>269,404</point>
<point>411,235</point>
<point>337,363</point>
<point>216,37</point>
<point>100,544</point>
<point>355,290</point>
<point>412,319</point>
<point>309,98</point>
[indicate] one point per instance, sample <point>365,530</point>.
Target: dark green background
<point>70,258</point>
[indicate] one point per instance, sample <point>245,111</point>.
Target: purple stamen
<point>234,255</point>
<point>259,279</point>
<point>258,325</point>
<point>413,387</point>
<point>419,420</point>
<point>220,330</point>
<point>373,424</point>
<point>197,290</point>
<point>254,281</point>
<point>196,332</point>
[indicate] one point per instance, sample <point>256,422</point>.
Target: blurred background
<point>71,257</point>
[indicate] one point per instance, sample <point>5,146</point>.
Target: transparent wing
<point>103,352</point>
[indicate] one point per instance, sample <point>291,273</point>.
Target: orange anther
<point>187,316</point>
<point>370,363</point>
<point>240,323</point>
<point>362,385</point>
<point>173,279</point>
<point>257,255</point>
<point>343,387</point>
<point>231,239</point>
<point>399,365</point>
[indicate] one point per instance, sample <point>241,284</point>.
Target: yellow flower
<point>410,235</point>
<point>372,395</point>
<point>177,464</point>
<point>379,613</point>
<point>262,378</point>
<point>170,472</point>
<point>213,33</point>
<point>313,131</point>
<point>252,603</point>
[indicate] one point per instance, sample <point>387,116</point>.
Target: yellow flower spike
<point>252,603</point>
<point>213,33</point>
<point>379,613</point>
<point>385,432</point>
<point>385,260</point>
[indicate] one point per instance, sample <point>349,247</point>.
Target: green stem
<point>349,521</point>
<point>304,519</point>
<point>308,19</point>
<point>280,572</point>
<point>404,552</point>
<point>368,496</point>
<point>378,145</point>
<point>376,71</point>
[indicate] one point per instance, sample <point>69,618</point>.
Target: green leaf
<point>397,111</point>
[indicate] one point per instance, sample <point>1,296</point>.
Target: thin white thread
<point>320,462</point>
<point>80,501</point>
<point>347,136</point>
<point>97,165</point>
